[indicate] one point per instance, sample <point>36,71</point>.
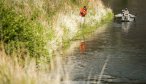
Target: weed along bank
<point>34,32</point>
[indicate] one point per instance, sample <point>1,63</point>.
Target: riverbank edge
<point>87,30</point>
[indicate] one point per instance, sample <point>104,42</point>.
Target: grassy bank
<point>40,27</point>
<point>86,29</point>
<point>33,31</point>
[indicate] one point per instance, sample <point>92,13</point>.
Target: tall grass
<point>33,31</point>
<point>32,24</point>
<point>14,70</point>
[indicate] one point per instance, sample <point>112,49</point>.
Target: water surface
<point>122,44</point>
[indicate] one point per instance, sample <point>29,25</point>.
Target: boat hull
<point>128,18</point>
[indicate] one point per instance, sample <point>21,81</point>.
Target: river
<point>116,53</point>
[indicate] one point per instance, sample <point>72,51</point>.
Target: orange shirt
<point>83,12</point>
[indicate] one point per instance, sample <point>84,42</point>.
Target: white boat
<point>125,18</point>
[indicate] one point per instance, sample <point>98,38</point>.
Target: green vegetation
<point>86,29</point>
<point>19,33</point>
<point>29,27</point>
<point>31,31</point>
<point>22,27</point>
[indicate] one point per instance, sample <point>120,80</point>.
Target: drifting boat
<point>124,18</point>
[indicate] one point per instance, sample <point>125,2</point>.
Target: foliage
<point>17,31</point>
<point>86,29</point>
<point>27,29</point>
<point>29,25</point>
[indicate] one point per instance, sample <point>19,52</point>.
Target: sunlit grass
<point>54,23</point>
<point>86,29</point>
<point>12,72</point>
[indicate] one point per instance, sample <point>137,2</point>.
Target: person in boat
<point>125,13</point>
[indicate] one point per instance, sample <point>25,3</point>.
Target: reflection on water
<point>126,26</point>
<point>82,47</point>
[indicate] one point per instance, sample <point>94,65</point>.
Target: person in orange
<point>83,11</point>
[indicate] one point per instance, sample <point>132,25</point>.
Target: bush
<point>18,32</point>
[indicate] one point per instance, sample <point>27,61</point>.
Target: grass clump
<point>17,31</point>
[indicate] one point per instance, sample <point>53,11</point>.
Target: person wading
<point>83,13</point>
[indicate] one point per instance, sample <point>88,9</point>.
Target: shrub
<point>18,32</point>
